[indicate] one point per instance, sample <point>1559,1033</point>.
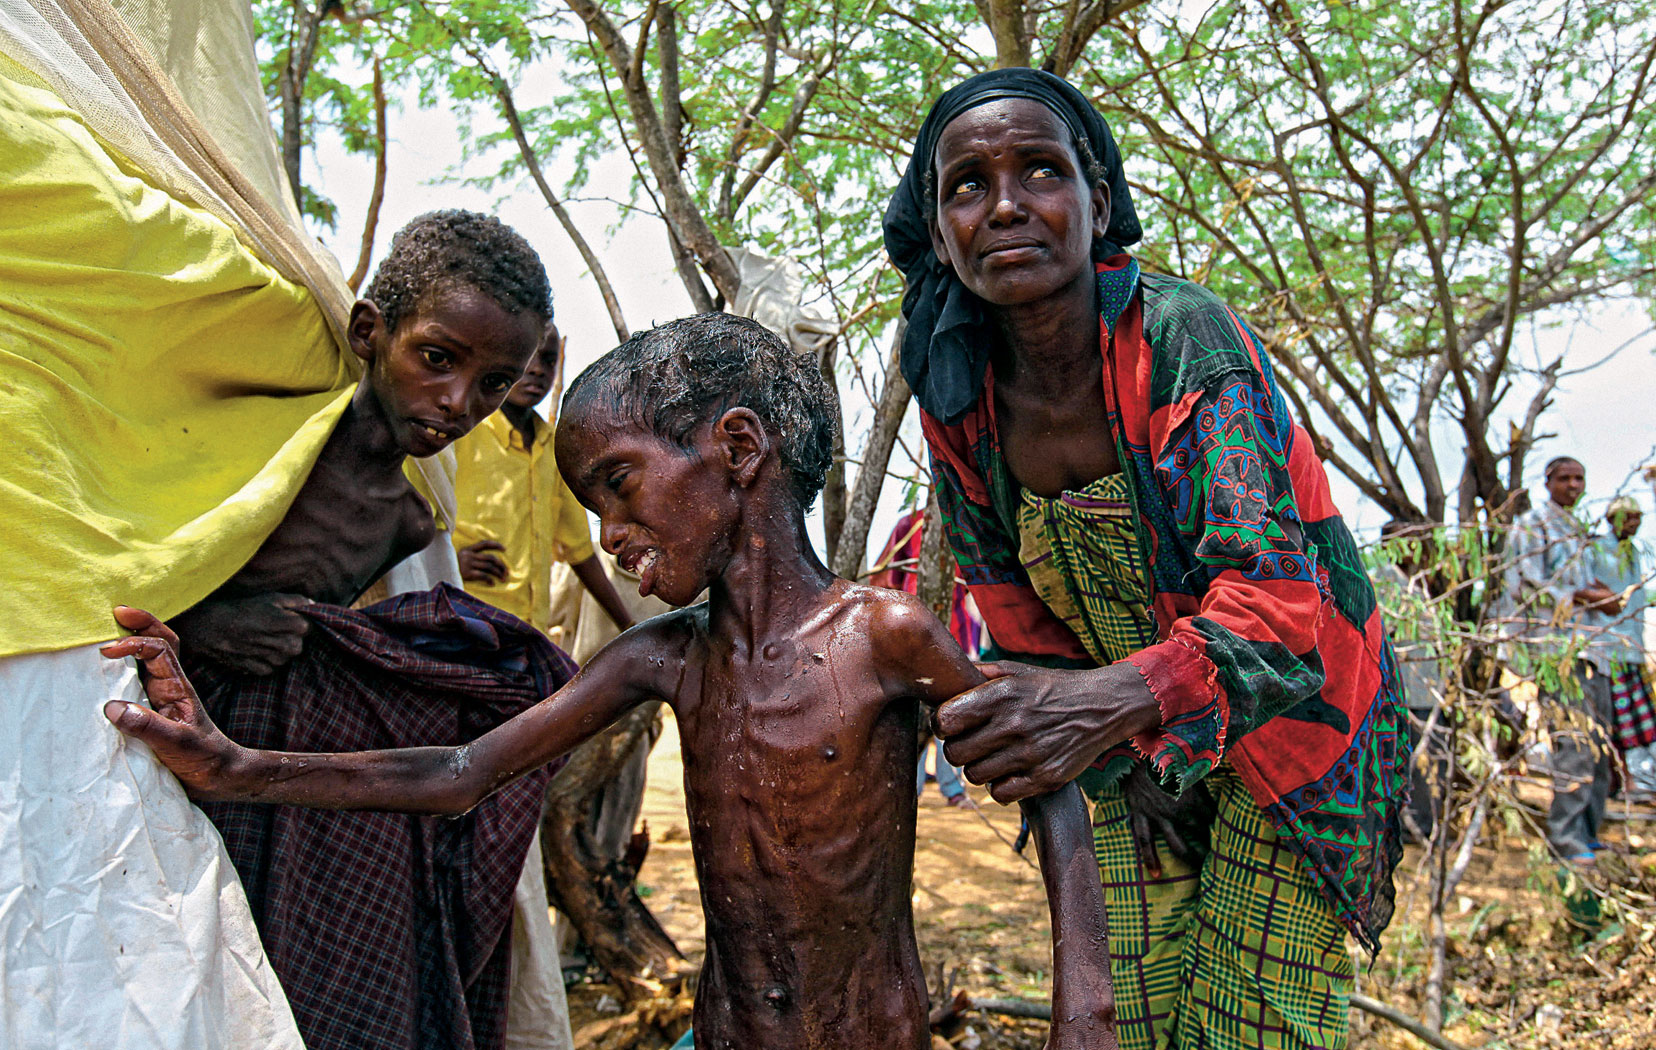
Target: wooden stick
<point>1405,1022</point>
<point>1043,1012</point>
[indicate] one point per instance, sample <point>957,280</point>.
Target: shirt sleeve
<point>1536,585</point>
<point>1250,651</point>
<point>571,533</point>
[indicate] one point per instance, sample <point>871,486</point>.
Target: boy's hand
<point>478,563</point>
<point>254,635</point>
<point>177,729</point>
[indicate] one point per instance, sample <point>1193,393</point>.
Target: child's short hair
<point>454,247</point>
<point>685,373</point>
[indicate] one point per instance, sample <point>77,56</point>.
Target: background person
<point>1621,568</point>
<point>1555,595</point>
<point>517,518</point>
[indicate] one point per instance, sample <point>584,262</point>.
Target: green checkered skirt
<point>1241,953</point>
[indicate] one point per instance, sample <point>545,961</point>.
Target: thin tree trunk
<point>936,569</point>
<point>833,487</point>
<point>508,109</point>
<point>365,255</point>
<point>594,889</point>
<point>290,88</point>
<point>679,206</point>
<point>871,476</point>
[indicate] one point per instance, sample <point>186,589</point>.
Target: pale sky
<point>1604,417</point>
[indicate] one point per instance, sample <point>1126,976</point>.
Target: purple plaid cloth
<point>388,931</point>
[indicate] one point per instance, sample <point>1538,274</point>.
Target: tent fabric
<point>169,334</point>
<point>165,391</point>
<point>98,63</point>
<point>123,924</point>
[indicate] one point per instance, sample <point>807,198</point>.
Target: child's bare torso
<point>351,521</point>
<point>799,778</point>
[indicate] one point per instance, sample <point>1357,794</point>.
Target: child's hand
<point>177,729</point>
<point>479,563</point>
<point>253,635</point>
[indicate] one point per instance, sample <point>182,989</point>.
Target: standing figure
<point>1556,593</point>
<point>1148,533</point>
<point>386,932</point>
<point>517,518</point>
<point>1621,568</point>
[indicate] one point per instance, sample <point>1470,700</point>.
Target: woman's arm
<point>436,780</point>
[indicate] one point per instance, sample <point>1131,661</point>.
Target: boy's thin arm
<point>437,780</point>
<point>1083,997</point>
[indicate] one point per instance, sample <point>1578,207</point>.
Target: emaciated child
<point>382,927</point>
<point>446,327</point>
<point>700,444</point>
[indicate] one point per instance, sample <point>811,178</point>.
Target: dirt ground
<point>1523,975</point>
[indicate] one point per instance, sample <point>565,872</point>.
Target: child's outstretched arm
<point>436,780</point>
<point>918,650</point>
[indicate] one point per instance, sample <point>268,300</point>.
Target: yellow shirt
<point>508,492</point>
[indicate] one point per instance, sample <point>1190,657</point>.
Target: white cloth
<point>122,922</point>
<point>537,1014</point>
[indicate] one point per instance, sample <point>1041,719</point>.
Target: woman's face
<point>1016,218</point>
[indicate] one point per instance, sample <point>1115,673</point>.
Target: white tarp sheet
<point>122,924</point>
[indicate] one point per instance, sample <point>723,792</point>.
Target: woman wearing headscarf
<point>1150,540</point>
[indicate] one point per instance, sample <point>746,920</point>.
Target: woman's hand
<point>177,729</point>
<point>1031,730</point>
<point>254,635</point>
<point>480,564</point>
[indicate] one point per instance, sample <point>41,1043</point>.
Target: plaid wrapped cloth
<point>1241,952</point>
<point>1270,654</point>
<point>1635,711</point>
<point>389,931</point>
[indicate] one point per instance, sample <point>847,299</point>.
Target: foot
<point>1584,859</point>
<point>958,801</point>
<point>1596,846</point>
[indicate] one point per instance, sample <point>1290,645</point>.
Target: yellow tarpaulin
<point>163,391</point>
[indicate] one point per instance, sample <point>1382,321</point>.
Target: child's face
<point>666,513</point>
<point>538,375</point>
<point>447,365</point>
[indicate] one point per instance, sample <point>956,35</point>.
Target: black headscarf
<point>946,348</point>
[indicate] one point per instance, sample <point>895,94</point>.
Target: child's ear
<point>364,329</point>
<point>743,444</point>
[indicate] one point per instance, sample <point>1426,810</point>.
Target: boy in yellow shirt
<point>516,515</point>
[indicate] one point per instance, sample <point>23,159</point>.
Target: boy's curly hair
<point>684,374</point>
<point>453,247</point>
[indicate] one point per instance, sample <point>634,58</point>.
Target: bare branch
<point>376,196</point>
